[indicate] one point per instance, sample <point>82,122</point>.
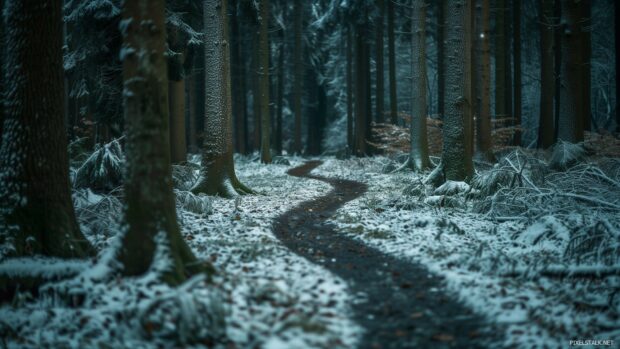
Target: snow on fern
<point>103,170</point>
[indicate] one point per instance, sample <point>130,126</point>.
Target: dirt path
<point>401,304</point>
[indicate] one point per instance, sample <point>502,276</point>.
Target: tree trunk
<point>585,27</point>
<point>279,104</point>
<point>2,53</point>
<point>265,152</point>
<point>501,66</point>
<point>298,76</point>
<point>392,63</point>
<point>617,40</point>
<point>557,48</point>
<point>176,93</point>
<point>516,14</point>
<point>441,79</point>
<point>256,90</point>
<point>238,86</point>
<point>379,61</point>
<point>418,155</point>
<point>360,93</point>
<point>150,214</point>
<point>192,122</point>
<point>218,168</point>
<point>456,160</point>
<point>572,108</point>
<point>349,87</point>
<point>547,85</point>
<point>484,144</point>
<point>37,213</point>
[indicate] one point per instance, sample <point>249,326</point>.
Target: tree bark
<point>36,211</point>
<point>349,87</point>
<point>617,41</point>
<point>572,108</point>
<point>176,93</point>
<point>360,93</point>
<point>392,63</point>
<point>501,66</point>
<point>190,83</point>
<point>557,49</point>
<point>238,86</point>
<point>379,62</point>
<point>547,78</point>
<point>441,80</point>
<point>456,160</point>
<point>516,14</point>
<point>150,214</point>
<point>218,171</point>
<point>2,53</point>
<point>265,152</point>
<point>298,76</point>
<point>418,155</point>
<point>256,91</point>
<point>484,144</point>
<point>280,102</point>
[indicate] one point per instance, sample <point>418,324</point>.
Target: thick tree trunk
<point>150,214</point>
<point>218,171</point>
<point>36,210</point>
<point>572,108</point>
<point>379,61</point>
<point>484,145</point>
<point>516,14</point>
<point>418,155</point>
<point>547,79</point>
<point>349,87</point>
<point>557,49</point>
<point>265,114</point>
<point>456,160</point>
<point>392,63</point>
<point>441,79</point>
<point>298,76</point>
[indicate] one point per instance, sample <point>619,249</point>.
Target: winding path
<point>399,304</point>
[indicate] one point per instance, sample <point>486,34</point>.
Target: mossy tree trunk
<point>265,143</point>
<point>176,95</point>
<point>418,156</point>
<point>36,210</point>
<point>150,205</point>
<point>218,168</point>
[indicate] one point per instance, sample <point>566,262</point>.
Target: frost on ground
<point>263,295</point>
<point>536,250</point>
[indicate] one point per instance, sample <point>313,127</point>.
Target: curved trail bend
<point>403,305</point>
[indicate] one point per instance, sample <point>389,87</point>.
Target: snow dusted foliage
<point>537,252</point>
<point>102,171</point>
<point>566,154</point>
<point>262,296</point>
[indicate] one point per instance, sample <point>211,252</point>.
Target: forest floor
<point>347,253</point>
<point>403,304</point>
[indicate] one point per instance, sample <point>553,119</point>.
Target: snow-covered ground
<point>263,295</point>
<point>493,264</point>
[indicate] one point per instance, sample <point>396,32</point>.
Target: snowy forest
<point>291,174</point>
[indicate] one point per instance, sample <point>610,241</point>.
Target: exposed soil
<point>398,303</point>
